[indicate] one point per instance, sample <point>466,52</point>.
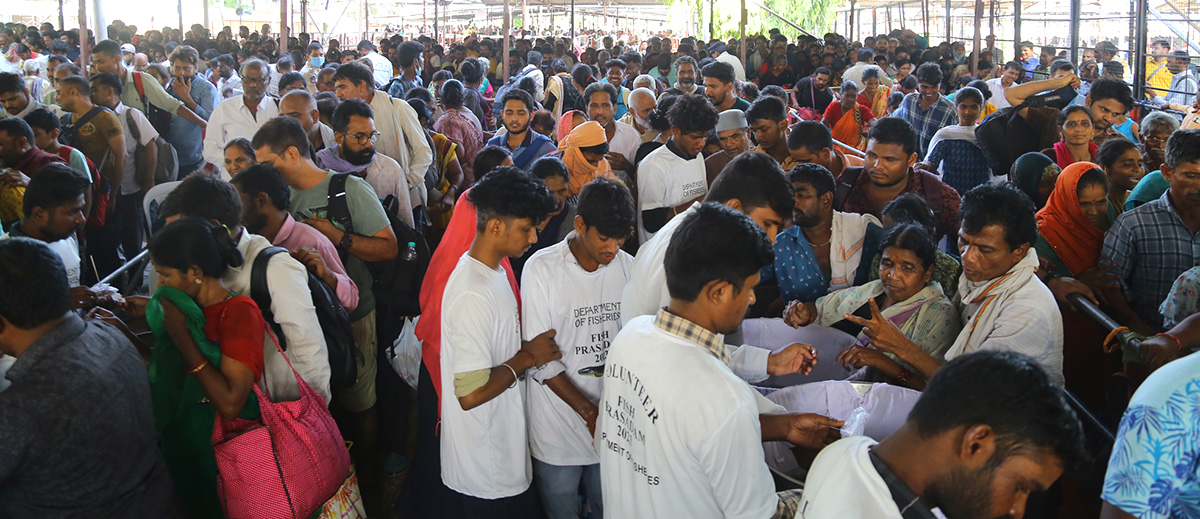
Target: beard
<point>254,223</point>
<point>358,158</point>
<point>516,129</point>
<point>963,494</point>
<point>804,221</point>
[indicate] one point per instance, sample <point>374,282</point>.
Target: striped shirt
<point>928,121</point>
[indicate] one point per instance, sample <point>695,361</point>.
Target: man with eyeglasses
<point>241,115</point>
<point>354,130</point>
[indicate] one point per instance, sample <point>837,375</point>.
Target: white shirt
<point>291,303</point>
<point>484,451</point>
<point>234,82</point>
<point>953,132</point>
<point>738,70</point>
<point>996,86</point>
<point>231,119</point>
<point>584,308</point>
<point>382,68</point>
<point>538,78</point>
<point>1029,323</point>
<point>625,141</point>
<point>843,484</point>
<point>129,182</point>
<point>401,137</point>
<point>667,180</point>
<point>678,433</point>
<point>68,251</point>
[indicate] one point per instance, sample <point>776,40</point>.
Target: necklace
<point>826,244</point>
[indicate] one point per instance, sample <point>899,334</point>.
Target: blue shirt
<point>1151,247</point>
<point>797,271</point>
<point>186,137</point>
<point>544,147</point>
<point>1154,471</point>
<point>927,122</point>
<point>963,164</point>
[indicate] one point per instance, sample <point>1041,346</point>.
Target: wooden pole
<point>975,54</point>
<point>284,28</point>
<point>181,28</point>
<point>711,29</point>
<point>84,48</point>
<point>366,20</point>
<point>742,45</point>
<point>524,18</point>
<point>572,23</point>
<point>207,27</point>
<point>504,53</point>
<point>1016,30</point>
<point>62,19</point>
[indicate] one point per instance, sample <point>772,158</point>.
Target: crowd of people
<point>640,279</point>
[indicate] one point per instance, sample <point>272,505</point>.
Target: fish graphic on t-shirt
<point>592,371</point>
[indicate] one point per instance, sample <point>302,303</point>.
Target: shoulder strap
<point>260,291</point>
<point>88,116</point>
<point>337,208</point>
<point>133,127</point>
<point>535,144</point>
<point>845,184</point>
<point>137,82</point>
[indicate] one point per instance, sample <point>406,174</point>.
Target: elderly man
<point>623,141</point>
<point>302,106</point>
<point>137,89</point>
<point>241,115</point>
<point>1183,84</point>
<point>718,52</point>
<point>734,132</point>
<point>641,103</point>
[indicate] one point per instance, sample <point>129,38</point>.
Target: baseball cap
<point>128,48</point>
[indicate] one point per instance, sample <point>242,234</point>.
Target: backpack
<point>397,282</point>
<point>167,169</point>
<point>331,315</point>
<point>101,190</point>
<point>498,108</point>
<point>160,119</point>
<point>1004,136</point>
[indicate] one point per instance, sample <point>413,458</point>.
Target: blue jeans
<point>559,487</point>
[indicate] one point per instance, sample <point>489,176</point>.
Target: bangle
<point>196,369</point>
<point>1178,343</point>
<point>514,372</point>
<point>525,351</point>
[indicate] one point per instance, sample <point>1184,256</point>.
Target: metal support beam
<point>504,52</point>
<point>874,22</point>
<point>366,21</point>
<point>84,49</point>
<point>1076,10</point>
<point>949,22</point>
<point>711,29</point>
<point>62,19</point>
<point>976,49</point>
<point>181,27</point>
<point>304,16</point>
<point>284,25</point>
<point>436,37</point>
<point>572,22</point>
<point>524,18</point>
<point>1139,57</point>
<point>742,42</point>
<point>1016,30</point>
<point>925,17</point>
<point>850,21</point>
<point>207,27</point>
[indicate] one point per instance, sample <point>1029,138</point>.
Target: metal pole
<point>742,44</point>
<point>874,23</point>
<point>1017,30</point>
<point>284,28</point>
<point>572,22</point>
<point>84,48</point>
<point>925,17</point>
<point>62,20</point>
<point>948,21</point>
<point>304,16</point>
<point>1076,8</point>
<point>437,39</point>
<point>207,27</point>
<point>850,20</point>
<point>975,54</point>
<point>1139,75</point>
<point>366,20</point>
<point>524,18</point>
<point>504,54</point>
<point>710,19</point>
<point>181,29</point>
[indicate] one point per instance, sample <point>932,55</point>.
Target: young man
<point>680,431</point>
<point>46,129</point>
<point>719,84</point>
<point>53,210</point>
<point>1158,70</point>
<point>410,65</point>
<point>965,449</point>
<point>226,79</point>
<point>106,58</point>
<point>1027,60</point>
<point>14,96</point>
<point>615,75</point>
<point>811,142</point>
<point>927,109</point>
<point>768,119</point>
<point>240,115</point>
<point>813,91</point>
<point>997,86</point>
<point>19,151</point>
<point>574,288</point>
<point>525,144</point>
<point>672,178</point>
<point>623,140</point>
<point>199,96</point>
<point>484,445</point>
<point>733,131</point>
<point>354,129</point>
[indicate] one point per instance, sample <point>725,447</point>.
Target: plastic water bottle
<point>410,252</point>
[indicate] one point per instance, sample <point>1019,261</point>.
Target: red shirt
<point>833,112</point>
<point>34,159</point>
<point>237,327</point>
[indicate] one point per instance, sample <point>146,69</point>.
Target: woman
<point>581,76</point>
<point>1075,127</point>
<point>982,87</point>
<point>660,129</point>
<point>207,356</point>
<point>904,294</point>
<point>873,96</point>
<point>459,124</point>
<point>848,120</point>
<point>954,151</point>
<point>450,175</point>
<point>1122,163</point>
<point>583,152</point>
<point>239,155</point>
<point>569,120</point>
<point>1035,174</point>
<point>779,74</point>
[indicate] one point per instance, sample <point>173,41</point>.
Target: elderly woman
<point>849,120</point>
<point>239,155</point>
<point>460,125</point>
<point>1156,128</point>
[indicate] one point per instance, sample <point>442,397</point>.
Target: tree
<point>815,16</point>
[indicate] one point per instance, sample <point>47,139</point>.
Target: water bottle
<point>410,252</point>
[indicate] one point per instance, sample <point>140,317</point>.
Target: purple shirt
<point>293,237</point>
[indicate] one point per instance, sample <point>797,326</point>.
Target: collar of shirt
<point>907,501</point>
<point>71,328</point>
<point>33,154</point>
<point>678,152</point>
<point>241,104</point>
<point>687,330</point>
<point>285,229</point>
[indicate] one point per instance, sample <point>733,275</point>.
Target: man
<point>484,445</point>
<point>302,106</point>
<point>581,276</point>
<point>381,67</point>
<point>768,120</point>
<point>228,83</point>
<point>325,80</point>
<point>672,177</point>
<point>623,140</point>
<point>719,86</point>
<point>1028,61</point>
<point>18,151</point>
<point>1048,55</point>
<point>1159,73</point>
<point>14,96</point>
<point>127,53</point>
<point>53,211</point>
<point>199,96</point>
<point>281,67</point>
<point>534,70</point>
<point>1107,100</point>
<point>1183,84</point>
<point>354,152</point>
<point>401,136</point>
<point>1152,244</point>
<point>525,145</point>
<point>140,62</point>
<point>811,142</point>
<point>241,115</point>
<point>685,78</point>
<point>615,75</point>
<point>888,173</point>
<point>265,200</point>
<point>77,387</point>
<point>316,60</point>
<point>717,52</point>
<point>1106,51</point>
<point>997,86</point>
<point>410,69</point>
<point>865,61</point>
<point>680,430</point>
<point>733,132</point>
<point>961,450</point>
<point>282,143</point>
<point>138,89</point>
<point>927,109</point>
<point>633,68</point>
<point>641,104</point>
<point>811,258</point>
<point>46,129</point>
<point>813,91</point>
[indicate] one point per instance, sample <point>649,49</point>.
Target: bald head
<point>641,103</point>
<point>140,62</point>
<point>301,106</point>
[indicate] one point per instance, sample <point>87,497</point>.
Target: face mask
<point>317,62</point>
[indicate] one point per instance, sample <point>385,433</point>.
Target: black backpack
<point>1004,136</point>
<point>397,282</point>
<point>332,316</point>
<point>160,119</point>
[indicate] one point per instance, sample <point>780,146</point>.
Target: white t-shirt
<point>68,251</point>
<point>584,308</point>
<point>129,183</point>
<point>484,451</point>
<point>844,484</point>
<point>667,180</point>
<point>647,289</point>
<point>997,87</point>
<point>625,141</point>
<point>678,433</point>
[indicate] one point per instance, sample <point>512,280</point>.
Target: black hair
<point>983,89</point>
<point>17,127</point>
<point>227,60</point>
<point>108,48</point>
<point>109,80</point>
<point>600,86</point>
<point>1112,150</point>
<point>913,238</point>
<point>909,82</point>
<point>1009,392</point>
<point>194,241</point>
<point>452,93</point>
<point>929,73</point>
<point>1061,64</point>
<point>756,180</point>
<point>489,158</point>
<point>204,197</point>
<point>286,61</point>
<point>822,70</point>
<point>970,93</point>
<point>526,83</point>
<point>1182,148</point>
<point>1003,205</point>
<point>749,90</point>
<point>348,109</point>
<point>811,136</point>
<point>1092,177</point>
<point>421,93</point>
<point>606,205</point>
<point>774,91</point>
<point>30,267</point>
<point>282,133</point>
<point>408,51</point>
<point>366,45</point>
<point>44,119</point>
<point>865,54</point>
<point>1106,88</point>
<point>814,175</point>
<point>632,57</point>
<point>12,83</point>
<point>508,193</point>
<point>910,208</point>
<point>720,71</point>
<point>870,72</point>
<point>658,116</point>
<point>715,243</point>
<point>548,167</point>
<point>472,70</point>
<point>767,107</point>
<point>240,142</point>
<point>419,106</point>
<point>1015,65</point>
<point>264,178</point>
<point>598,149</point>
<point>615,62</point>
<point>534,58</point>
<point>1071,109</point>
<point>516,94</point>
<point>291,78</point>
<point>53,185</point>
<point>356,73</point>
<point>582,74</point>
<point>557,66</point>
<point>894,130</point>
<point>693,113</point>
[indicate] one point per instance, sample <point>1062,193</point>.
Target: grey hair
<point>850,85</point>
<point>1158,122</point>
<point>643,80</point>
<point>254,63</point>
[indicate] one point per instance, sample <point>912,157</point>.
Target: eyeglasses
<point>363,138</point>
<point>1155,141</point>
<point>255,81</point>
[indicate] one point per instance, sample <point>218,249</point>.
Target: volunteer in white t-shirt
<point>484,448</point>
<point>679,433</point>
<point>55,202</point>
<point>966,449</point>
<point>672,178</point>
<point>574,288</point>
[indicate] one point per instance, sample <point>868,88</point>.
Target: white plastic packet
<point>855,423</point>
<point>405,353</point>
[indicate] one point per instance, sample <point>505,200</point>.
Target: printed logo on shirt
<point>628,416</point>
<point>87,130</point>
<point>694,189</point>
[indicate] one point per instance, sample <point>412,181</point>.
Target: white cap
<point>128,48</point>
<point>732,119</point>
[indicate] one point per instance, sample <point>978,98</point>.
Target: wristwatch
<point>347,242</point>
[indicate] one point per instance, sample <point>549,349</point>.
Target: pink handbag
<point>287,464</point>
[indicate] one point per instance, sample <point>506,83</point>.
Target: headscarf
<point>566,123</point>
<point>1063,225</point>
<point>1028,171</point>
<point>581,171</point>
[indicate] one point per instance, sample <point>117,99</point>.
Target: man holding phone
<point>200,97</point>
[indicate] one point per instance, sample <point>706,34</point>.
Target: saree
<point>849,128</point>
<point>878,105</point>
<point>445,151</point>
<point>928,318</point>
<point>1062,223</point>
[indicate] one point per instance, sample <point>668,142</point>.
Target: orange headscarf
<point>582,171</point>
<point>1062,223</point>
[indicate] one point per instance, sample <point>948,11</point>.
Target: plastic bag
<point>856,422</point>
<point>405,353</point>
